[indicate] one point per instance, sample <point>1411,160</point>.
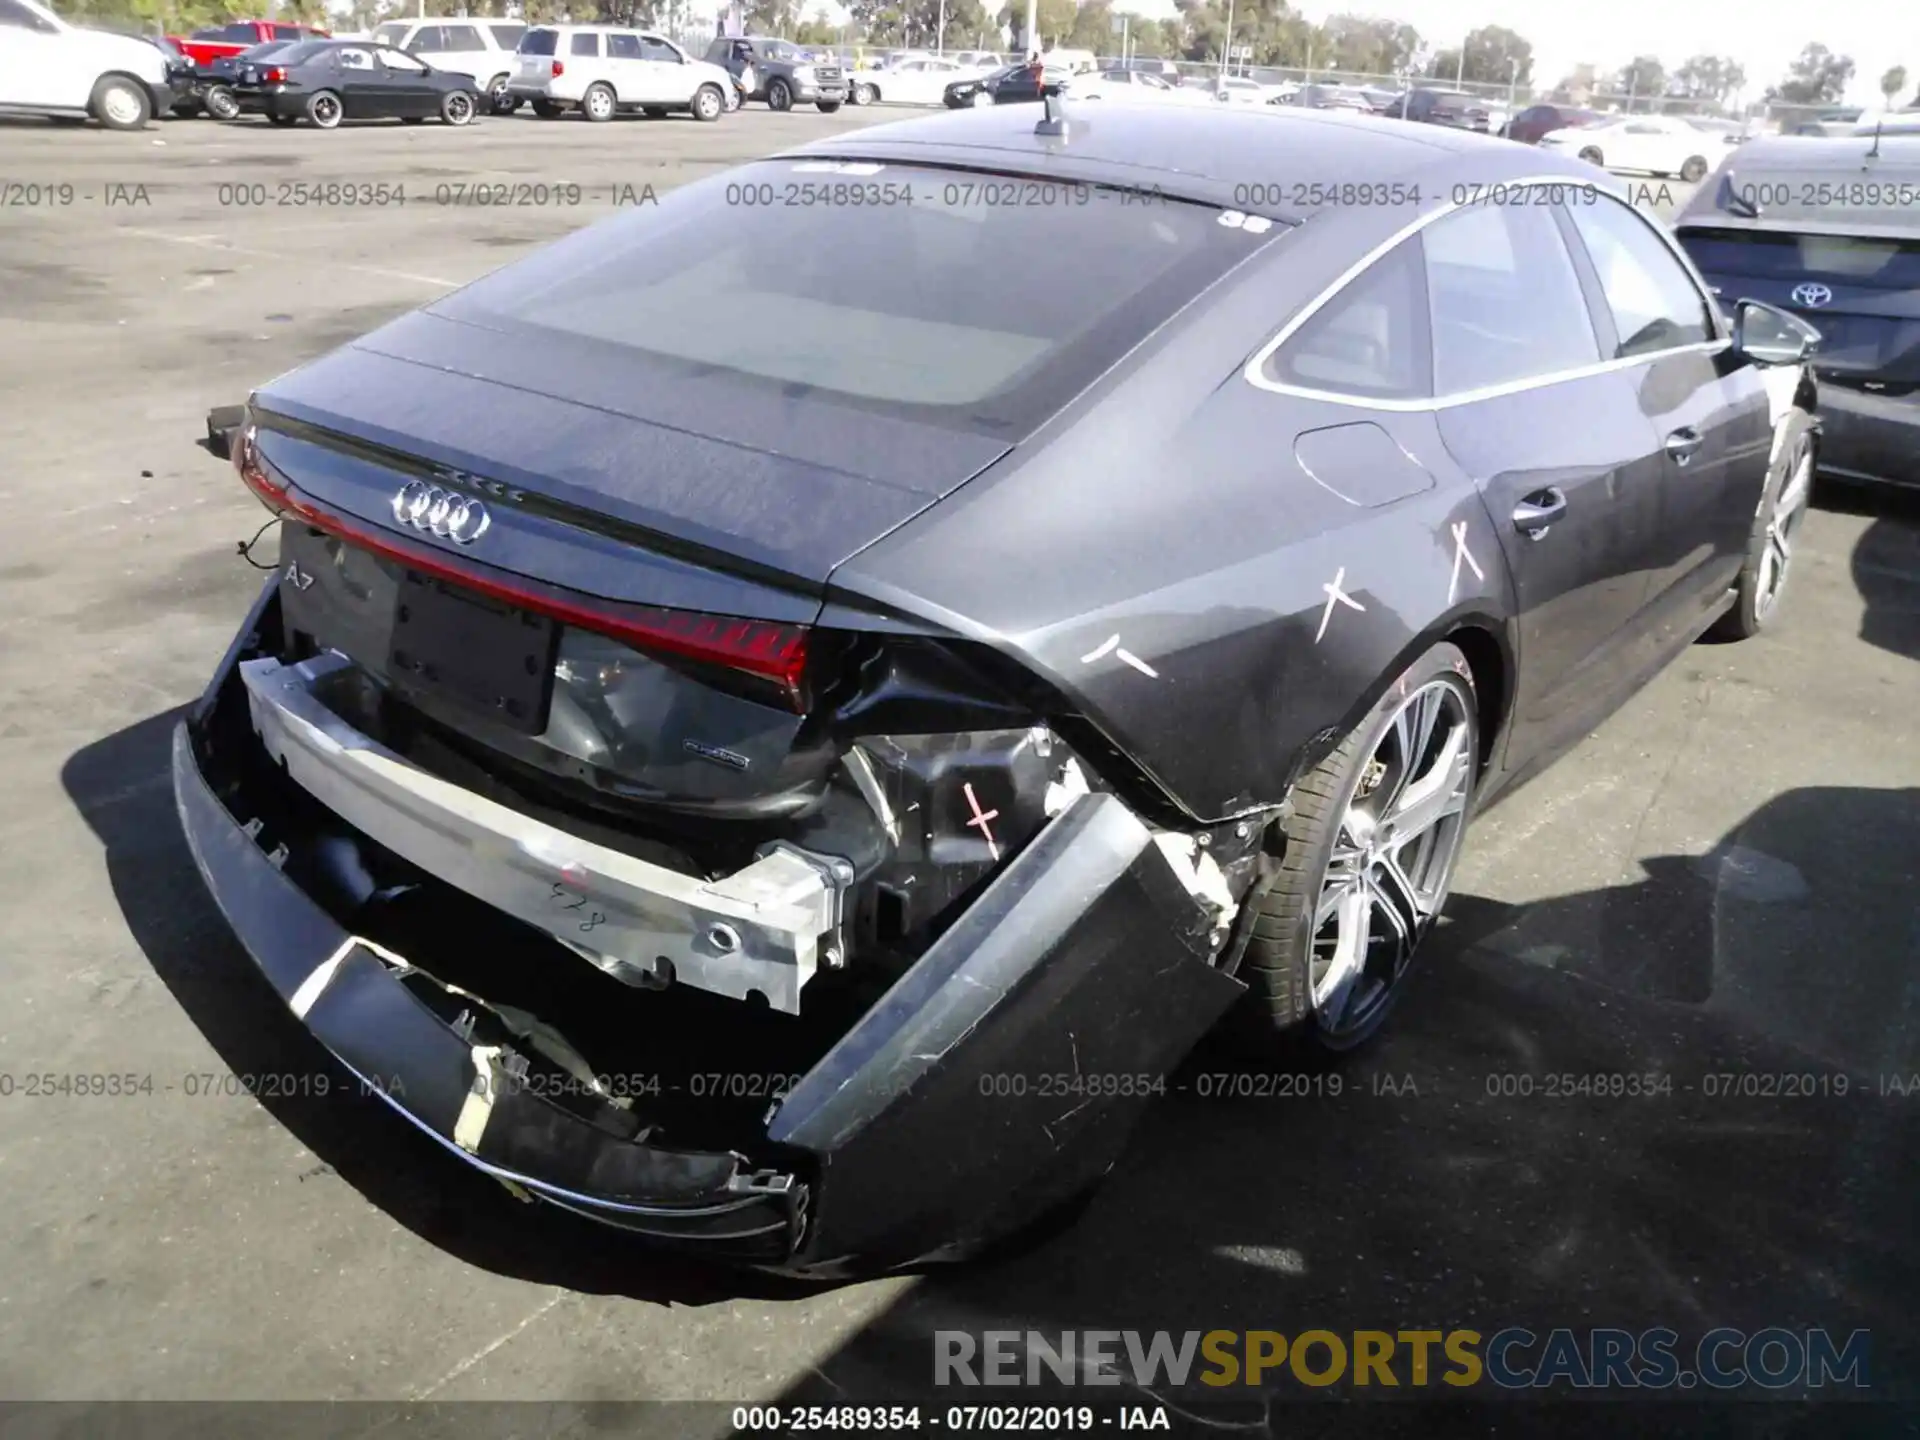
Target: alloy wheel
<point>459,109</point>
<point>1783,526</point>
<point>325,111</point>
<point>1393,855</point>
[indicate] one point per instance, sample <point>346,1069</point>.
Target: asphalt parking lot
<point>1721,887</point>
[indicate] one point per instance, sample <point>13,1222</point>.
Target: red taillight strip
<point>771,650</point>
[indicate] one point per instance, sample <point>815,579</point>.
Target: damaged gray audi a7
<point>781,718</point>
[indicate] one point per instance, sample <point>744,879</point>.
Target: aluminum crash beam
<point>761,929</point>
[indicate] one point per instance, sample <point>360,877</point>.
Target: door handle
<point>1533,515</point>
<point>1683,442</point>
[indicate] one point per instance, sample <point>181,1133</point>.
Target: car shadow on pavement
<point>122,786</point>
<point>1688,1100</point>
<point>1620,1106</point>
<point>1886,565</point>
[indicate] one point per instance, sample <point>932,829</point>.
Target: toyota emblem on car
<point>446,513</point>
<point>1812,294</point>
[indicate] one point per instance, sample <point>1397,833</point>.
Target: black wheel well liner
<point>1491,683</point>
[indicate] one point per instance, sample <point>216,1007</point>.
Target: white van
<point>601,70</point>
<point>48,67</point>
<point>1074,62</point>
<point>482,50</point>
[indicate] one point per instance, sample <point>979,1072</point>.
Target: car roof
<point>1197,152</point>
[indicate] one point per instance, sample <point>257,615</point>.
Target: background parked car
<point>48,67</point>
<point>181,74</point>
<point>1024,85</point>
<point>213,84</point>
<point>1429,105</point>
<point>326,82</point>
<point>780,73</point>
<point>977,89</point>
<point>1238,90</point>
<point>601,70</point>
<point>1331,97</point>
<point>207,45</point>
<point>1795,228</point>
<point>482,50</point>
<point>1660,145</point>
<point>1536,120</point>
<point>919,81</point>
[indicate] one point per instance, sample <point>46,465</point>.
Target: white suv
<point>602,69</point>
<point>48,67</point>
<point>482,50</point>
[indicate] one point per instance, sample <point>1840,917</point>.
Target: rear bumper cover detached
<point>936,1123</point>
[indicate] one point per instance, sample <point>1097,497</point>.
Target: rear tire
<point>1368,852</point>
<point>324,109</point>
<point>1694,169</point>
<point>221,105</point>
<point>120,104</point>
<point>826,107</point>
<point>598,104</point>
<point>708,104</point>
<point>498,101</point>
<point>548,110</point>
<point>1770,546</point>
<point>1591,154</point>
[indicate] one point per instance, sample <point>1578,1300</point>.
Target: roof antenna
<point>1054,121</point>
<point>1878,121</point>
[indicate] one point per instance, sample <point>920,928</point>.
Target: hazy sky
<point>1763,35</point>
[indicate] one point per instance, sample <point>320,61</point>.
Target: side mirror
<point>1767,335</point>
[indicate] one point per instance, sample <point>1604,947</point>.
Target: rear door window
<point>507,36</point>
<point>1505,299</point>
<point>587,44</point>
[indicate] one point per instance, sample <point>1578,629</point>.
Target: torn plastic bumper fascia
<point>1000,1074</point>
<point>762,929</point>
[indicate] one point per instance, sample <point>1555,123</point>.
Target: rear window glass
<point>1846,259</point>
<point>539,42</point>
<point>950,308</point>
<point>301,53</point>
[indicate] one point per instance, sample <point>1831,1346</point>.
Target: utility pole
<point>1513,81</point>
<point>940,41</point>
<point>1226,51</point>
<point>1033,29</point>
<point>1460,71</point>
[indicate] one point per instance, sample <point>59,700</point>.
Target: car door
<point>1710,412</point>
<point>351,73</point>
<point>671,75</point>
<point>35,66</point>
<point>1565,460</point>
<point>626,69</point>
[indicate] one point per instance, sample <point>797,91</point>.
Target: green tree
<point>1644,79</point>
<point>1056,19</point>
<point>1709,77</point>
<point>1893,82</point>
<point>772,17</point>
<point>1818,77</point>
<point>1495,55</point>
<point>1365,45</point>
<point>819,30</point>
<point>1093,28</point>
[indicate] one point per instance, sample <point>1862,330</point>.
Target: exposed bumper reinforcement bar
<point>760,929</point>
<point>350,995</point>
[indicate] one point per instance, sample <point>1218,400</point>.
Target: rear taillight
<point>559,68</point>
<point>765,649</point>
<point>276,75</point>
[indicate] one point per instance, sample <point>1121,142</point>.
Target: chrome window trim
<point>1254,370</point>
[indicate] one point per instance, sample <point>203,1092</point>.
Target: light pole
<point>1226,51</point>
<point>1513,82</point>
<point>940,40</point>
<point>1460,70</point>
<point>1033,29</point>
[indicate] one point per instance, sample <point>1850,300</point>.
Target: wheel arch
<point>1492,671</point>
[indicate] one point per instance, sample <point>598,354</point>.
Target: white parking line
<point>209,242</point>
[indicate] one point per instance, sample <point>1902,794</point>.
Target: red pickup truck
<point>203,47</point>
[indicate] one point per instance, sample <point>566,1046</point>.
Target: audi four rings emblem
<point>1812,295</point>
<point>446,513</point>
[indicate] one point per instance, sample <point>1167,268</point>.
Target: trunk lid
<point>723,475</point>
